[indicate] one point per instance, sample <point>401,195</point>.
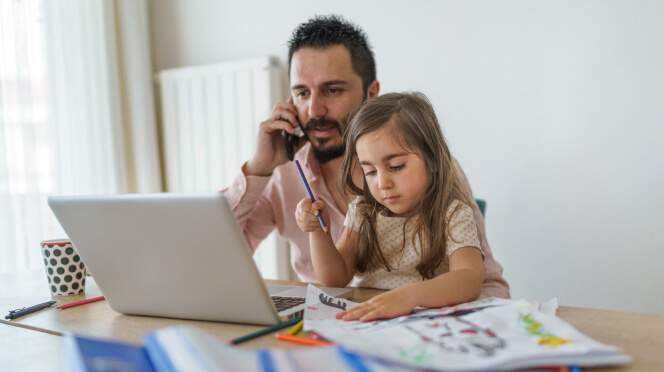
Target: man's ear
<point>372,91</point>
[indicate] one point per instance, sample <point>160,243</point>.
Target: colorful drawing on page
<point>417,354</point>
<point>320,306</point>
<point>424,315</point>
<point>456,335</point>
<point>329,301</point>
<point>481,303</point>
<point>483,335</point>
<point>376,325</point>
<point>544,338</point>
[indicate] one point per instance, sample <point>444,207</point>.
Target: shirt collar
<point>310,161</point>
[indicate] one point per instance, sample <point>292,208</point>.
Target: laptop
<point>174,255</point>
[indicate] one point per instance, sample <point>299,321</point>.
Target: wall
<point>554,110</point>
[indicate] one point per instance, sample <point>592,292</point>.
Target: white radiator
<point>209,118</point>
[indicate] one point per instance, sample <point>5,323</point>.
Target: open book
<point>192,349</point>
<point>487,334</point>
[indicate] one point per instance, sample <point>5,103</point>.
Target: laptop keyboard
<point>283,303</point>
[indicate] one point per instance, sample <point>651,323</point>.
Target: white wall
<point>555,110</point>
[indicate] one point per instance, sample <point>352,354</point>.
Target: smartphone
<point>292,140</point>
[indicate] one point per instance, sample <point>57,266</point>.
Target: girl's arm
<point>334,265</point>
<point>462,283</point>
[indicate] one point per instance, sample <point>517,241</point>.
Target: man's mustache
<point>322,123</point>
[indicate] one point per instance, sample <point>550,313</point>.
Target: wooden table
<point>27,350</point>
<point>640,335</point>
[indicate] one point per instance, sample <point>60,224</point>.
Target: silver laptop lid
<point>169,255</point>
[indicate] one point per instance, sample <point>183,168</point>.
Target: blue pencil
<point>311,195</point>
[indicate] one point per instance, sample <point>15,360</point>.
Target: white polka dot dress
<point>405,258</point>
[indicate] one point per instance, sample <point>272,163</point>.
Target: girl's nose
<point>384,181</point>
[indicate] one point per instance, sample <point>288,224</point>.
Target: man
<point>332,72</point>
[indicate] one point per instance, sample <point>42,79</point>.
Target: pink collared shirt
<point>262,204</point>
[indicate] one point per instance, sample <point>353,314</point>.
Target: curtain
<point>76,113</point>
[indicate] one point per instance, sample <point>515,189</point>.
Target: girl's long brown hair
<point>412,121</point>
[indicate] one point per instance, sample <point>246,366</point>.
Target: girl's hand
<point>306,215</point>
<point>392,304</point>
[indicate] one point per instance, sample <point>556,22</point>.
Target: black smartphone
<point>292,140</point>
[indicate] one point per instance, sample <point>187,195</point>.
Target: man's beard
<point>323,155</point>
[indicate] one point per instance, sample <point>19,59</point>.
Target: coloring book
<point>485,334</point>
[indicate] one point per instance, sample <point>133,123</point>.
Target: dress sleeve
<point>462,229</point>
<point>352,219</point>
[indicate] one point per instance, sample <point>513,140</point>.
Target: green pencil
<point>267,330</point>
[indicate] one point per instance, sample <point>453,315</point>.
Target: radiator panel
<point>209,118</point>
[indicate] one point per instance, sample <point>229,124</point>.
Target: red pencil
<point>301,340</point>
<point>82,302</point>
<point>317,336</point>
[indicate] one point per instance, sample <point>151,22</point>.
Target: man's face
<point>326,91</point>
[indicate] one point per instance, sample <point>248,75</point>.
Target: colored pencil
<point>317,336</point>
<point>82,302</point>
<point>311,196</point>
<point>266,330</point>
<point>301,340</point>
<point>296,328</point>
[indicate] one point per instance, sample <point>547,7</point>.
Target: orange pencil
<point>87,301</point>
<point>301,340</point>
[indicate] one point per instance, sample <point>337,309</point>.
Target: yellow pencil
<point>296,328</point>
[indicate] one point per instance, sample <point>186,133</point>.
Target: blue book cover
<point>86,354</point>
<point>182,348</point>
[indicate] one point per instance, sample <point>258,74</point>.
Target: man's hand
<point>270,147</point>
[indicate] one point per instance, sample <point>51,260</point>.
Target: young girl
<point>410,228</point>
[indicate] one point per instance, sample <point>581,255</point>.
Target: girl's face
<point>397,179</point>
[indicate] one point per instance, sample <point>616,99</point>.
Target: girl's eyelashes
<point>393,168</point>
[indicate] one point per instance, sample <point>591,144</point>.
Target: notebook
<point>173,255</point>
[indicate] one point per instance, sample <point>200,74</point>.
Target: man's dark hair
<point>322,32</point>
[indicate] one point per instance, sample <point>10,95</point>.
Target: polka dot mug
<point>64,269</point>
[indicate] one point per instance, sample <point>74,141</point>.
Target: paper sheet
<point>485,334</point>
<point>321,307</point>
